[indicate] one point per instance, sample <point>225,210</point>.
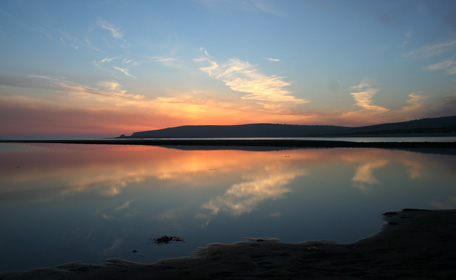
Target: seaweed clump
<point>166,239</point>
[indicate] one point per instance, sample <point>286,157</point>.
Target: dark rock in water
<point>165,239</point>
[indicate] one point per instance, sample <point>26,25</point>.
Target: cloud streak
<point>110,27</point>
<point>167,61</point>
<point>431,50</point>
<point>415,102</point>
<point>123,70</point>
<point>103,88</point>
<point>363,97</point>
<point>241,76</point>
<point>262,6</point>
<point>108,59</point>
<point>448,65</point>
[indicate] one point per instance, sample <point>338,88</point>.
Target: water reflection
<point>268,183</point>
<point>364,176</point>
<point>60,203</point>
<point>449,203</point>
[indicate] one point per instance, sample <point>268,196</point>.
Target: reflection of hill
<point>430,126</point>
<point>260,144</point>
<point>445,149</point>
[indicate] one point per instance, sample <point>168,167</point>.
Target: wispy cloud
<point>406,40</point>
<point>110,27</point>
<point>263,6</point>
<point>123,70</point>
<point>415,102</point>
<point>74,41</point>
<point>168,61</point>
<point>116,60</point>
<point>448,65</point>
<point>108,59</point>
<point>364,94</point>
<point>431,50</point>
<point>244,77</point>
<point>104,88</point>
<point>272,59</point>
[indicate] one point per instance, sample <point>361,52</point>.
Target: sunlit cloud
<point>123,70</point>
<point>431,50</point>
<point>415,102</point>
<point>108,59</point>
<point>448,65</point>
<point>110,27</point>
<point>374,114</point>
<point>364,95</point>
<point>272,59</point>
<point>82,109</point>
<point>105,88</point>
<point>112,85</point>
<point>244,77</point>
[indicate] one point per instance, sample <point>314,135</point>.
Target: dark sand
<point>413,244</point>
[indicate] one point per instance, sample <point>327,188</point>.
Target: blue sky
<point>112,67</point>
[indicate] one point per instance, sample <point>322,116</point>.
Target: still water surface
<point>61,203</point>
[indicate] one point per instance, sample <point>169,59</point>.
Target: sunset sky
<point>103,68</point>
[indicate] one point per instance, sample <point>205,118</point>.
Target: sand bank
<point>413,244</point>
<point>279,143</point>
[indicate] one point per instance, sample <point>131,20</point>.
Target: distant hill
<point>422,127</point>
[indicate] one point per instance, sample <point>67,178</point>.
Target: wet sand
<point>413,244</point>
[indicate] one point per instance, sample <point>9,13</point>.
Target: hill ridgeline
<point>444,126</point>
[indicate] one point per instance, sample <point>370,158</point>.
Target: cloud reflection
<point>450,203</point>
<point>242,198</point>
<point>239,181</point>
<point>364,176</point>
<point>369,161</point>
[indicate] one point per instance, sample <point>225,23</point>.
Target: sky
<point>105,68</point>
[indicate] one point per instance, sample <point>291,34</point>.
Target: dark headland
<point>444,126</point>
<point>281,136</point>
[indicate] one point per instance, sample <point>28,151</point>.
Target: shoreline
<point>277,143</point>
<point>412,244</point>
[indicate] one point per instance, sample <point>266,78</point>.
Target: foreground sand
<point>413,244</point>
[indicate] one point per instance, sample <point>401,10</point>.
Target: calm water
<point>62,203</point>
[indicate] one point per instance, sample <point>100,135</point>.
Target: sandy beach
<point>412,244</point>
